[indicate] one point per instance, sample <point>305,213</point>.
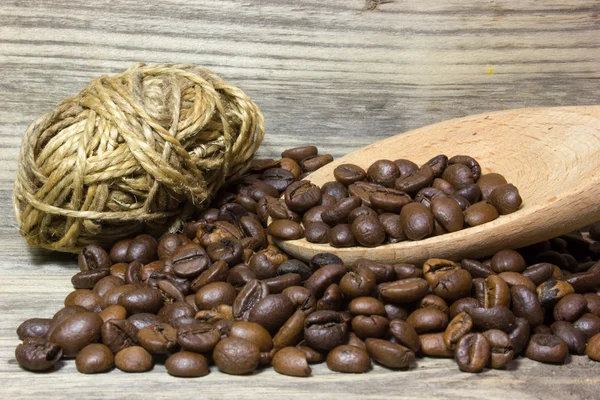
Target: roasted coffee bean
<point>448,280</point>
<point>593,303</point>
<point>291,332</point>
<point>405,166</point>
<point>404,291</point>
<point>508,260</point>
<point>113,312</point>
<point>570,307</point>
<point>107,283</point>
<point>583,282</point>
<point>37,354</point>
<point>347,174</point>
<point>324,330</point>
<point>227,250</point>
<point>405,334</point>
<point>279,178</point>
<point>506,199</point>
<point>370,326</point>
<point>291,361</point>
<point>143,300</point>
<point>187,364</point>
<point>294,267</point>
<point>217,272</point>
<point>368,231</point>
<point>392,227</point>
<point>472,352</point>
<point>496,292</point>
<point>525,304</point>
<point>236,356</point>
<point>261,189</point>
<point>302,195</point>
<point>476,269</point>
<point>168,244</point>
<point>519,334</point>
<point>313,163</point>
<point>277,209</point>
<point>416,221</point>
<point>190,260</point>
<point>142,248</point>
<point>588,324</point>
<point>118,270</point>
<point>214,232</point>
<point>332,299</point>
<point>341,236</point>
<point>432,344</point>
<point>501,351</point>
<point>460,325</point>
<point>279,283</point>
<point>542,329</point>
<point>75,332</point>
<point>253,333</point>
<point>348,359</point>
<point>366,306</point>
<point>272,311</point>
<point>334,189</point>
<point>438,164</point>
<point>302,298</point>
<point>404,271</point>
<point>383,172</point>
<point>320,259</point>
<point>94,358</point>
<point>88,279</point>
<point>517,279</point>
<point>547,349</point>
<point>248,297</point>
<point>553,290</point>
<point>317,232</point>
<point>458,175</point>
<point>427,194</point>
<point>447,213</point>
<point>133,359</point>
<point>142,320</point>
<point>299,153</point>
<point>593,348</point>
<point>471,193</point>
<point>198,336</point>
<point>286,229</point>
<point>388,200</point>
<point>412,182</point>
<point>388,354</point>
<point>434,301</point>
<point>463,304</point>
<point>443,185</point>
<point>360,282</point>
<point>85,298</point>
<point>362,210</point>
<point>133,273</point>
<point>94,257</point>
<point>118,334</point>
<point>574,338</point>
<point>480,213</point>
<point>478,291</point>
<point>383,272</point>
<point>469,162</point>
<point>35,327</point>
<point>427,319</point>
<point>170,313</point>
<point>488,182</point>
<point>247,202</point>
<point>539,273</point>
<point>499,317</point>
<point>323,277</point>
<point>290,165</point>
<point>213,294</point>
<point>339,212</point>
<point>315,214</point>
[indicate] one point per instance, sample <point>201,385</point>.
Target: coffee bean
<point>236,356</point>
<point>253,333</point>
<point>593,303</point>
<point>94,358</point>
<point>158,339</point>
<point>324,330</point>
<point>313,163</point>
<point>432,344</point>
<point>519,334</point>
<point>469,162</point>
<point>506,199</point>
<point>37,354</point>
<point>88,279</point>
<point>416,221</point>
<point>570,307</point>
<point>525,304</point>
<point>34,327</point>
<point>107,283</point>
<point>347,174</point>
<point>317,232</point>
<point>501,351</point>
<point>584,281</point>
<point>93,257</point>
<point>142,320</point>
<point>213,294</point>
<point>383,272</point>
<point>334,189</point>
<point>248,297</point>
<point>142,248</point>
<point>414,181</point>
<point>538,273</point>
<point>291,332</point>
<point>404,291</point>
<point>302,195</point>
<point>76,331</point>
<point>499,317</point>
<point>143,300</point>
<point>85,298</point>
<point>496,292</point>
<point>508,260</point>
<point>447,213</point>
<point>458,175</point>
<point>279,178</point>
<point>366,306</point>
<point>471,193</point>
<point>463,304</point>
<point>588,324</point>
<point>286,229</point>
<point>291,361</point>
<point>113,312</point>
<point>368,231</point>
<point>388,354</point>
<point>118,334</point>
<point>427,319</point>
<point>299,153</point>
<point>371,326</point>
<point>332,299</point>
<point>574,338</point>
<point>190,260</point>
<point>405,166</point>
<point>272,311</point>
<point>302,298</point>
<point>405,334</point>
<point>198,336</point>
<point>348,359</point>
<point>480,213</point>
<point>339,212</point>
<point>553,290</point>
<point>547,349</point>
<point>187,364</point>
<point>438,164</point>
<point>383,172</point>
<point>323,277</point>
<point>447,279</point>
<point>488,182</point>
<point>460,325</point>
<point>133,359</point>
<point>593,348</point>
<point>472,352</point>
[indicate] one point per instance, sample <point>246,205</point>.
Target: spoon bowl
<point>552,155</point>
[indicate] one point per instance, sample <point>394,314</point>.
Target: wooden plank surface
<point>324,72</point>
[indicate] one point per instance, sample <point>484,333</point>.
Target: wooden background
<point>334,73</point>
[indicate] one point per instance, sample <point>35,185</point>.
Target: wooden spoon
<point>552,155</point>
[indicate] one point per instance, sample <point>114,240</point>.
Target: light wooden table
<point>324,72</point>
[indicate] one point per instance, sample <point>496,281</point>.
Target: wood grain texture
<point>324,72</point>
<point>551,154</point>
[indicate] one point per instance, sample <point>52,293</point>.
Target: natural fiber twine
<point>137,151</point>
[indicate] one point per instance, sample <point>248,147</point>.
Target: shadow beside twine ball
<point>141,150</point>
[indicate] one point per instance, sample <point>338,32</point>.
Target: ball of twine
<point>141,150</point>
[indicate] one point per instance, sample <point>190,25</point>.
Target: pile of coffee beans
<point>222,293</point>
<point>390,202</point>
